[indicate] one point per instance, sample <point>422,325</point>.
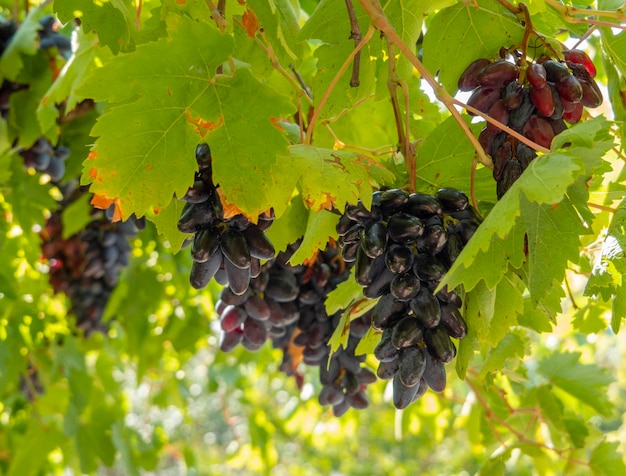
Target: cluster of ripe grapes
<point>227,249</point>
<point>401,249</point>
<point>285,304</point>
<point>86,266</point>
<point>45,158</point>
<point>535,99</point>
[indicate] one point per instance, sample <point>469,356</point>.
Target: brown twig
<point>217,16</point>
<point>368,36</point>
<point>138,14</point>
<point>355,34</point>
<point>601,207</point>
<point>569,13</point>
<point>380,21</point>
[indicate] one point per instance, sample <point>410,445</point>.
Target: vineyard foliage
<point>308,106</point>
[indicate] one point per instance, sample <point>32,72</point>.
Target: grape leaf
<point>544,181</point>
<point>345,293</point>
<point>553,239</point>
<point>341,334</point>
<point>586,382</point>
<point>169,115</point>
<point>71,75</point>
<point>166,223</point>
<point>445,160</point>
<point>368,342</point>
<point>23,42</point>
<point>280,25</point>
<point>466,33</point>
<point>76,216</point>
<point>607,460</point>
<point>290,226</point>
<point>510,347</point>
<point>320,228</point>
<point>112,20</point>
<point>328,178</point>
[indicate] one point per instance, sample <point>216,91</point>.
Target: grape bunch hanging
<point>536,99</point>
<point>86,266</point>
<point>402,247</point>
<point>285,304</point>
<point>227,249</point>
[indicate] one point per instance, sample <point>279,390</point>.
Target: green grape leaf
<point>368,342</point>
<point>280,25</point>
<point>590,319</point>
<point>45,437</point>
<point>586,382</point>
<point>331,178</point>
<point>510,347</point>
<point>290,226</point>
<point>113,20</point>
<point>23,119</point>
<point>343,295</point>
<point>544,182</point>
<point>445,160</point>
<point>341,334</point>
<point>76,216</point>
<point>329,26</point>
<point>320,228</point>
<point>23,42</point>
<point>577,431</point>
<point>166,223</point>
<point>607,460</point>
<point>466,33</point>
<point>169,115</point>
<point>553,239</point>
<point>71,75</point>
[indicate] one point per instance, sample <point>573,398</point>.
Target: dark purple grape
<point>405,286</point>
<point>434,373</point>
<point>499,112</point>
<point>555,71</point>
<point>257,308</point>
<point>426,308</point>
<point>402,395</point>
<point>468,79</point>
<point>386,370</point>
<point>452,200</point>
<point>406,332</point>
<point>392,201</point>
<point>482,99</point>
<point>513,95</point>
<point>536,74</point>
<point>497,75</point>
<point>203,156</point>
<point>543,100</point>
<point>570,89</point>
<point>235,248</point>
<point>399,258</point>
<point>374,239</point>
<point>575,114</point>
<point>439,344</point>
<point>202,273</point>
<point>412,365</point>
<point>205,244</point>
<point>259,245</point>
<point>197,193</point>
<point>539,130</point>
<point>453,322</point>
<point>238,278</point>
<point>232,318</point>
<point>423,206</point>
<point>404,228</point>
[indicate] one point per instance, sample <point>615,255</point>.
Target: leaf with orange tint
<point>250,23</point>
<point>166,97</point>
<point>103,202</point>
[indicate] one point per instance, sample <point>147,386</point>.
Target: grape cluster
<point>402,247</point>
<point>45,158</point>
<point>227,249</point>
<point>535,99</point>
<point>86,266</point>
<point>285,304</point>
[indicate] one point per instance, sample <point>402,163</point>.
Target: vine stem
<point>380,21</point>
<point>601,207</point>
<point>570,12</point>
<point>217,16</point>
<point>368,36</point>
<point>355,34</point>
<point>491,415</point>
